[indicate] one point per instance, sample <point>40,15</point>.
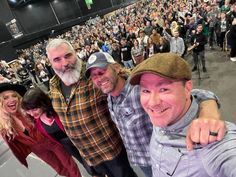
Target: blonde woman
<point>23,138</point>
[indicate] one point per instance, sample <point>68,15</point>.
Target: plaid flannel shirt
<point>87,121</point>
<point>133,123</point>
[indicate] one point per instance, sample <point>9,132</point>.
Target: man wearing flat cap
<point>126,111</point>
<point>165,87</point>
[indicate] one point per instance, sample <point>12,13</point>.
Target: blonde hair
<point>123,72</point>
<point>8,126</point>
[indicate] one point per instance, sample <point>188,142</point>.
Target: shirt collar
<point>126,88</point>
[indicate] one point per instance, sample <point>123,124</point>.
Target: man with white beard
<point>84,114</point>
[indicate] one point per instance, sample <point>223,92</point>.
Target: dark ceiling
<point>19,3</point>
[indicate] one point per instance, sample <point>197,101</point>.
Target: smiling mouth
<point>158,111</point>
<point>104,84</point>
<point>12,107</point>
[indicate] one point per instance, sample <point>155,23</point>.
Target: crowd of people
<point>138,31</point>
<point>109,120</point>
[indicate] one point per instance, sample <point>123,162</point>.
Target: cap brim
<point>166,65</point>
<point>135,79</point>
<point>15,87</point>
<point>98,65</point>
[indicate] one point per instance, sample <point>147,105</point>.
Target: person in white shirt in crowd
<point>176,43</point>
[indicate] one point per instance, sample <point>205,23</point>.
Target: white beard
<point>72,76</point>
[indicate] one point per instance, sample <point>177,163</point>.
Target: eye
<point>4,98</point>
<point>100,73</point>
<point>56,59</point>
<point>68,55</point>
<point>145,90</point>
<point>14,95</point>
<point>163,89</point>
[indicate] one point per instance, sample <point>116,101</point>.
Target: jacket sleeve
<point>167,35</point>
<point>202,95</point>
<point>57,119</point>
<point>219,159</point>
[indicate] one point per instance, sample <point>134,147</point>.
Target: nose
<point>65,63</point>
<point>97,78</point>
<point>154,99</point>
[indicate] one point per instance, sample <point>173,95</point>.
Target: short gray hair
<point>57,42</point>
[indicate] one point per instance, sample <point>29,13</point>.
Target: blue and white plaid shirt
<point>133,123</point>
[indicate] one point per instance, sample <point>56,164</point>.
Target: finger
<point>213,128</point>
<point>212,138</point>
<point>204,133</point>
<point>194,131</point>
<point>219,127</point>
<point>189,143</point>
<point>221,132</point>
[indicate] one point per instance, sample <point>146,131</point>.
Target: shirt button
<point>160,146</point>
<point>163,131</point>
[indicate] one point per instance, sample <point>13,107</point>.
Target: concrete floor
<point>220,78</point>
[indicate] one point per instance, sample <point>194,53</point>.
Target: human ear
<point>188,87</point>
<point>116,67</point>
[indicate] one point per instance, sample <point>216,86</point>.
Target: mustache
<point>68,67</point>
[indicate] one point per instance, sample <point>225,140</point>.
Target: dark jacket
<point>165,48</point>
<point>201,39</point>
<point>155,49</point>
<point>232,36</point>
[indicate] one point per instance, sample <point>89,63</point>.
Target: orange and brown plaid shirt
<point>87,121</point>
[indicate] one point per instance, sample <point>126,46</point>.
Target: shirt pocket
<point>129,116</point>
